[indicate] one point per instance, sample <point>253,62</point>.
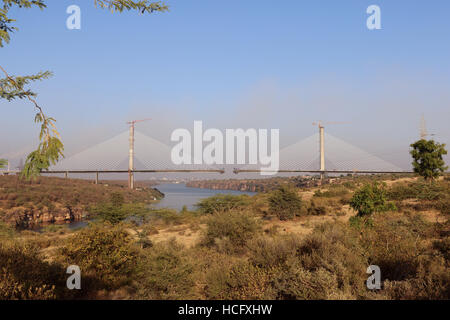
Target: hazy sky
<point>262,64</point>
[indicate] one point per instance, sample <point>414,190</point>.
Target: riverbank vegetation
<point>319,248</point>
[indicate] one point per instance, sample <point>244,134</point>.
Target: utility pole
<point>131,153</point>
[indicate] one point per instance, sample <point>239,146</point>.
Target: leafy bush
<point>371,198</point>
<point>166,216</point>
<point>285,203</point>
<point>223,202</point>
<point>103,252</point>
<point>117,199</point>
<point>403,191</point>
<point>229,231</point>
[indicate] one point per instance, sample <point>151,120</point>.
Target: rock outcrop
<point>258,185</point>
<point>30,217</point>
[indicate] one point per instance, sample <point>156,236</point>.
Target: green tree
<point>427,158</point>
<point>3,163</point>
<point>50,148</point>
<point>371,198</point>
<point>285,203</point>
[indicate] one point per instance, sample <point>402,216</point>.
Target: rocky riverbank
<point>259,185</point>
<point>29,204</point>
<point>30,218</point>
<point>236,185</point>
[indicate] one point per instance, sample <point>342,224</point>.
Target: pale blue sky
<point>264,64</point>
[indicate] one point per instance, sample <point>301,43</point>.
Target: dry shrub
<point>268,252</point>
<point>165,272</point>
<point>230,231</point>
<point>335,248</point>
<point>443,204</point>
<point>290,279</point>
<point>223,202</point>
<point>25,275</point>
<point>393,242</point>
<point>435,195</point>
<point>339,192</point>
<point>105,254</point>
<point>319,206</point>
<point>326,265</point>
<point>431,282</point>
<point>301,284</point>
<point>241,281</point>
<point>285,203</point>
<point>412,266</point>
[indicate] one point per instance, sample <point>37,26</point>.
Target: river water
<point>177,195</point>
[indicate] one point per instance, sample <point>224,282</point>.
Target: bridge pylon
<point>131,153</point>
<point>322,144</point>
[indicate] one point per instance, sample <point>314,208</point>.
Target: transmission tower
<point>423,129</point>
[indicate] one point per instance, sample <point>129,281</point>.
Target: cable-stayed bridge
<point>152,156</point>
<point>111,159</point>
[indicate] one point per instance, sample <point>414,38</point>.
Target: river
<point>177,195</point>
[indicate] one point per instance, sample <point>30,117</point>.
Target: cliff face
<point>28,218</point>
<point>46,200</point>
<point>257,185</point>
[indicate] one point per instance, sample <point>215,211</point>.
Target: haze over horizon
<point>236,64</point>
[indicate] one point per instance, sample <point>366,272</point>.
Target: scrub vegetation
<point>288,243</point>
